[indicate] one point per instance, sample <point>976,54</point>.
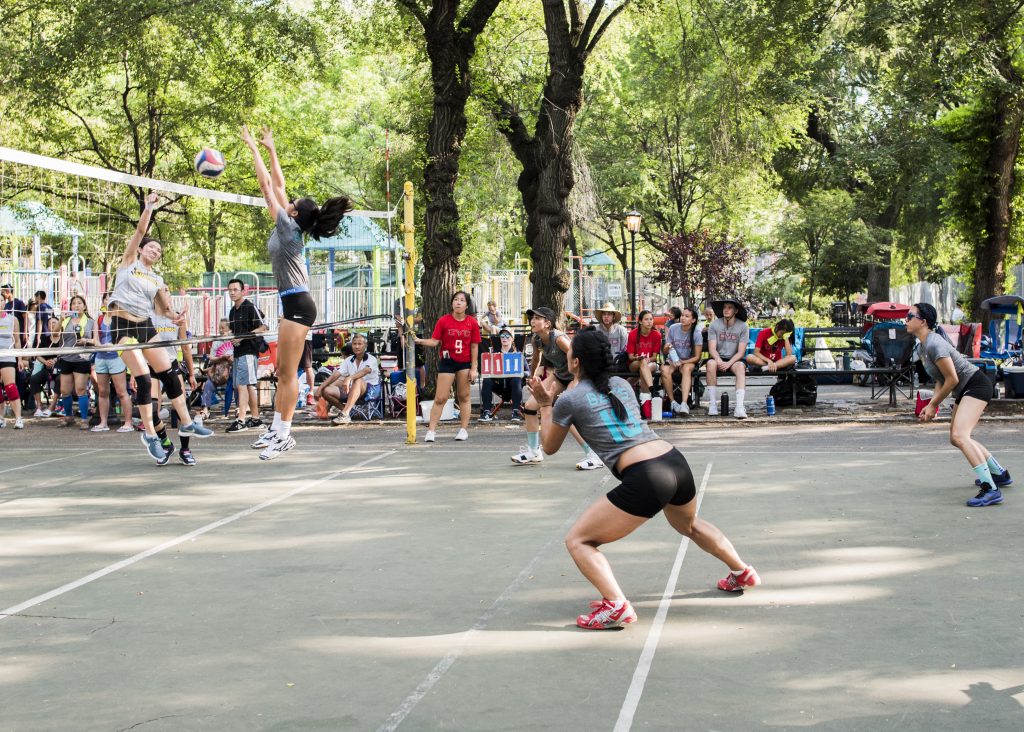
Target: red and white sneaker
<point>606,615</point>
<point>737,582</point>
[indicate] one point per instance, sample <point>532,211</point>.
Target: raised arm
<point>132,250</point>
<point>262,175</point>
<point>276,174</point>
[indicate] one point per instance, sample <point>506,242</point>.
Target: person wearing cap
<point>727,343</point>
<point>609,322</point>
<point>510,388</point>
<point>774,348</point>
<point>549,363</point>
<point>16,307</point>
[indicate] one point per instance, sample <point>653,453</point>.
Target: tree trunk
<point>879,273</point>
<point>990,249</point>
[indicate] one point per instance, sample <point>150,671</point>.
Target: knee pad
<point>171,382</point>
<point>143,390</point>
<point>11,392</point>
<point>531,412</point>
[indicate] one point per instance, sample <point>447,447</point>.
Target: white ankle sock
<point>739,395</point>
<point>277,422</point>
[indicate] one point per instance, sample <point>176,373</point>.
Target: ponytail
<point>321,221</point>
<point>931,318</point>
<point>696,319</point>
<point>591,347</point>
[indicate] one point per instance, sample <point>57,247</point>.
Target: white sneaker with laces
<point>684,408</point>
<point>528,456</point>
<point>277,447</point>
<point>429,437</point>
<point>264,440</point>
<point>19,424</point>
<point>42,413</point>
<point>713,409</point>
<point>590,462</point>
<point>462,435</point>
<point>740,412</point>
<point>677,407</point>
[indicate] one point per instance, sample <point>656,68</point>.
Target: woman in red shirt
<point>771,344</point>
<point>458,335</point>
<point>642,349</point>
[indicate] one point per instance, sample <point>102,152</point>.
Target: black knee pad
<point>171,382</point>
<point>143,390</point>
<point>531,412</point>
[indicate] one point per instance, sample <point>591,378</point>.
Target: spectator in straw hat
<point>727,343</point>
<point>609,322</point>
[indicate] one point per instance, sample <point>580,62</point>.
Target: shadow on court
<point>384,586</point>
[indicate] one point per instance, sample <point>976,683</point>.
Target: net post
<point>411,401</point>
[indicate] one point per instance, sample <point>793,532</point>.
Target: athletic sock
<point>713,394</point>
<point>586,448</point>
<point>277,422</point>
<point>739,395</point>
<point>284,428</point>
<point>533,440</point>
<point>994,466</point>
<point>184,442</point>
<point>65,402</point>
<point>83,406</point>
<point>984,474</point>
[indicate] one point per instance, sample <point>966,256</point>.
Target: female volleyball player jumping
<point>292,220</point>
<point>138,293</point>
<point>655,477</point>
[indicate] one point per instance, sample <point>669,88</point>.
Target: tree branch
<point>604,27</point>
<point>476,18</point>
<point>415,10</point>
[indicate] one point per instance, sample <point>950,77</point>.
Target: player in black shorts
<point>655,477</point>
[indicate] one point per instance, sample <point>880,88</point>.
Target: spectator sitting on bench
<point>683,347</point>
<point>348,384</point>
<point>510,388</point>
<point>727,342</point>
<point>609,322</point>
<point>770,346</point>
<point>642,348</point>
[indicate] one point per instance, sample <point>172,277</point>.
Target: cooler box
<point>989,367</point>
<point>1013,379</point>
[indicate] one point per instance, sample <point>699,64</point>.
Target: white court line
<point>44,462</point>
<point>435,675</point>
<point>4,614</point>
<point>643,666</point>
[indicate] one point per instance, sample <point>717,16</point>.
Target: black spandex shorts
<point>121,328</point>
<point>8,364</point>
<point>306,362</point>
<point>648,485</point>
<point>75,367</point>
<point>451,366</point>
<point>176,368</point>
<point>299,308</point>
<point>978,386</point>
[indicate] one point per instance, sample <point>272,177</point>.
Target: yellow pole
<point>411,406</point>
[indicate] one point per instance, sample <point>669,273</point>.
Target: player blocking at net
<point>138,294</point>
<point>293,219</point>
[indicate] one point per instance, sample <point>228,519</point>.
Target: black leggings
<point>650,484</point>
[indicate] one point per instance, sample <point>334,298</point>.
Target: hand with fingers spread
<point>247,137</point>
<point>268,137</point>
<point>541,395</point>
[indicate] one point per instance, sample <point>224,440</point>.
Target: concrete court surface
<point>380,586</point>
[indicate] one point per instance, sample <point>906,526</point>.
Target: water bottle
<point>672,355</point>
<point>725,405</point>
<point>770,404</point>
<point>656,409</point>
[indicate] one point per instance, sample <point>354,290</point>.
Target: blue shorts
<point>109,365</point>
<point>243,372</point>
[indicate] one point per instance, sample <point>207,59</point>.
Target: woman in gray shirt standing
<point>971,389</point>
<point>292,220</point>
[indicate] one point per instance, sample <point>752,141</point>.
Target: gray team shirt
<point>71,330</point>
<point>730,339</point>
<point>553,356</point>
<point>936,347</point>
<point>8,324</point>
<point>592,414</point>
<point>687,345</point>
<point>166,330</point>
<point>286,260</point>
<point>617,337</point>
<point>135,289</point>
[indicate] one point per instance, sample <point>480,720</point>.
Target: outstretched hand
<point>268,137</point>
<point>541,395</point>
<point>247,136</point>
<point>151,200</point>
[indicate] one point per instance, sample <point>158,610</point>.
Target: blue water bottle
<point>770,404</point>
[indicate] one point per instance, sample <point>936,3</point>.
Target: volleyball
<point>209,162</point>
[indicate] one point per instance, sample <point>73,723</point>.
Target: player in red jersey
<point>458,335</point>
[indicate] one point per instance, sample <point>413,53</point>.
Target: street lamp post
<point>633,225</point>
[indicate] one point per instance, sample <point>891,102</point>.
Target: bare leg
<point>332,395</point>
<point>704,534</point>
<point>121,389</point>
<point>602,523</point>
<point>965,419</point>
<point>290,339</point>
<point>444,388</point>
<point>241,402</point>
<point>687,381</point>
<point>103,397</point>
<point>462,395</point>
<point>357,390</point>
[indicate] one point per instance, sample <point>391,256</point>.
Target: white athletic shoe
<point>3,423</point>
<point>429,437</point>
<point>684,408</point>
<point>19,424</point>
<point>42,413</point>
<point>527,456</point>
<point>740,412</point>
<point>462,435</point>
<point>277,448</point>
<point>264,440</point>
<point>590,462</point>
<point>713,409</point>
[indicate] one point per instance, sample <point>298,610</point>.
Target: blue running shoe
<point>195,430</point>
<point>987,496</point>
<point>155,449</point>
<point>1002,480</point>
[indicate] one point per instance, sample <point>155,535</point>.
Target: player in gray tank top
<point>292,220</point>
<point>136,281</point>
<point>971,389</point>
<point>655,477</point>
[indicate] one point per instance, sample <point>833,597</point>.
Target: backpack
<point>806,390</point>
